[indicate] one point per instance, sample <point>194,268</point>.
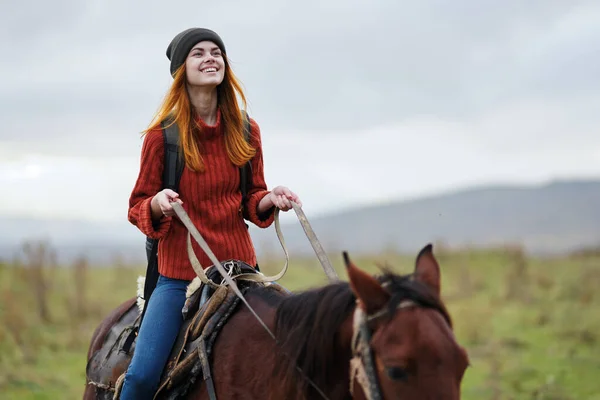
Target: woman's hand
<point>161,203</point>
<point>279,197</point>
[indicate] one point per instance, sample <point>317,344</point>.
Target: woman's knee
<point>140,383</point>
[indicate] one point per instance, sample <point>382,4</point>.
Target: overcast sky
<point>358,101</point>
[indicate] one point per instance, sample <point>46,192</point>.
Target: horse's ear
<point>427,269</point>
<point>367,289</point>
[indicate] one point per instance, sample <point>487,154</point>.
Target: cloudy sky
<point>358,101</point>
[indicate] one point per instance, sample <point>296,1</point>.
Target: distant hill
<point>551,218</point>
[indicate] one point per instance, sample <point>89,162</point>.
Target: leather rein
<point>255,277</point>
<point>362,365</point>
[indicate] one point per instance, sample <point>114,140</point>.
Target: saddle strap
<point>203,355</point>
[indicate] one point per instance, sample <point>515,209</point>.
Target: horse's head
<point>403,343</point>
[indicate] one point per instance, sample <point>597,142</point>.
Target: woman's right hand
<point>161,203</point>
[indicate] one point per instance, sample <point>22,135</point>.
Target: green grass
<point>531,326</point>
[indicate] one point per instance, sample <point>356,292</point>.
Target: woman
<point>203,101</point>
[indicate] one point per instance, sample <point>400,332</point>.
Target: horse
<point>385,336</point>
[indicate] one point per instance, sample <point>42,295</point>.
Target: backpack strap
<point>173,167</point>
<point>246,170</point>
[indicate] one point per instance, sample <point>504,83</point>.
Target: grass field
<point>531,326</point>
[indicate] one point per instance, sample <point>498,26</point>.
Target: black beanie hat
<point>181,45</point>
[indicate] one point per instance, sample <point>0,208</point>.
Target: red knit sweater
<point>211,199</point>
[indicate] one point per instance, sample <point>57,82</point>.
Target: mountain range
<point>550,218</point>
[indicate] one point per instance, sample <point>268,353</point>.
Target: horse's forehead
<point>416,330</point>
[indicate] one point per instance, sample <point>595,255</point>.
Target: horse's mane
<point>307,327</point>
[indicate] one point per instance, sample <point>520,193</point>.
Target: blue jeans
<point>155,340</point>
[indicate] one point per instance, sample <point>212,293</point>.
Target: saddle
<point>205,312</point>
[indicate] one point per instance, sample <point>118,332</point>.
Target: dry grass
<point>531,326</point>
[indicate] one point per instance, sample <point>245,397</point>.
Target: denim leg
<point>155,340</point>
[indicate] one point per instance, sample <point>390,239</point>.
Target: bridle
<point>362,363</point>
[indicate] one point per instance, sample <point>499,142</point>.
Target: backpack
<point>171,176</point>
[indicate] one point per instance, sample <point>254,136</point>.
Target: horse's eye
<point>396,373</point>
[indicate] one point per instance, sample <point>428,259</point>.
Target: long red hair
<point>177,103</point>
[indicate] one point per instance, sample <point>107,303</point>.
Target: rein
<point>310,234</point>
<point>362,364</point>
<point>312,238</point>
<point>230,280</point>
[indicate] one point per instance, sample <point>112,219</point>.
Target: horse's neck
<point>337,385</point>
<point>339,389</point>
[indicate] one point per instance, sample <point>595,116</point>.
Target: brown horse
<point>386,337</point>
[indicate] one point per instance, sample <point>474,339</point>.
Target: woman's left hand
<point>281,196</point>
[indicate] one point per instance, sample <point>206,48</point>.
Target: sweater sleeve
<point>149,182</point>
<point>259,186</point>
